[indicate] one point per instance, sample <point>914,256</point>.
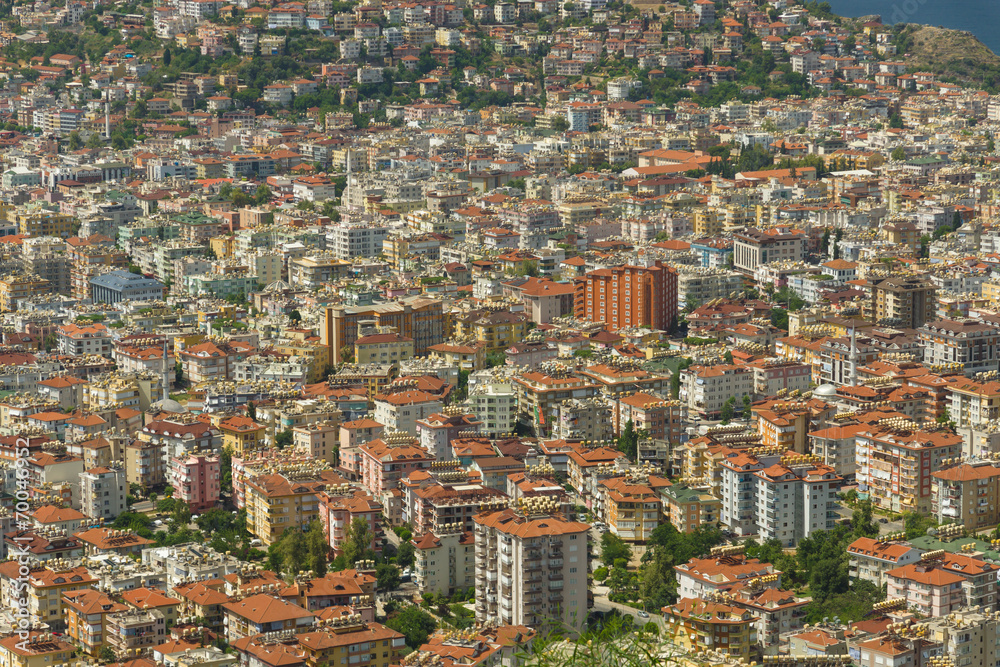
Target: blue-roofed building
<point>124,286</point>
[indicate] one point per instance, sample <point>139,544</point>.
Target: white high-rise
<point>531,567</point>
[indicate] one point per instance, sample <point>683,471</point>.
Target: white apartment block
<point>495,405</point>
<point>531,568</point>
<point>705,389</point>
<point>102,492</point>
<point>782,498</point>
<point>445,561</point>
<point>348,241</point>
<point>701,285</point>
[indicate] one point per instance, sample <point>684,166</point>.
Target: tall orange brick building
<point>628,296</point>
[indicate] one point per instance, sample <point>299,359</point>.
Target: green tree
<point>358,542</point>
<point>728,410</point>
<point>181,515</point>
<point>896,121</point>
<point>94,141</point>
<point>251,410</point>
<point>916,524</point>
<point>74,140</point>
<point>226,470</point>
<point>106,655</point>
<point>318,548</point>
<point>614,548</point>
<point>166,57</point>
<point>898,154</point>
<point>387,577</point>
<point>295,316</point>
<point>179,374</point>
<point>283,438</point>
<point>406,554</point>
<point>294,551</point>
<point>747,408</point>
<point>415,624</point>
<point>628,441</point>
<point>863,520</point>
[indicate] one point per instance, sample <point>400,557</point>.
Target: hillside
<point>951,53</point>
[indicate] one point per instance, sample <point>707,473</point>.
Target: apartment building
<point>903,301</point>
<point>39,649</point>
<point>319,439</point>
<point>783,424</point>
<point>660,418</point>
<point>702,625</point>
<point>83,340</point>
<point>705,389</point>
<point>973,403</point>
<point>632,509</point>
<point>895,464</point>
<point>102,492</point>
<point>973,344</point>
<point>967,494</point>
<point>871,558</point>
<point>265,613</point>
<point>86,619</point>
<point>387,460</point>
<point>145,465</point>
<point>754,247</point>
<point>940,583</point>
<point>531,567</point>
<point>538,391</point>
<point>195,480</point>
<point>785,498</point>
<point>445,560</point>
<point>726,570</point>
<point>699,285</point>
<point>351,240</point>
<point>628,296</point>
<point>341,506</point>
<point>687,508</point>
<point>494,403</point>
<point>352,640</point>
<point>278,501</point>
<point>399,410</point>
<point>419,318</point>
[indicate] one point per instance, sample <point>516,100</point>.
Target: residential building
<point>445,560</point>
<point>903,301</point>
<point>628,296</point>
<point>531,567</point>
<point>973,344</point>
<point>103,492</point>
<point>195,479</point>
<point>967,494</point>
<point>871,558</point>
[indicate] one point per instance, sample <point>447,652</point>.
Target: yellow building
<point>275,502</point>
<point>688,508</point>
<point>13,288</point>
<point>86,618</point>
<point>698,625</point>
<point>241,435</point>
<point>45,589</point>
<point>42,222</point>
<point>497,329</point>
<point>315,356</point>
<point>383,348</point>
<point>222,246</point>
<point>631,508</point>
<point>467,356</point>
<point>340,644</point>
<point>783,425</point>
<point>36,651</point>
<point>707,222</point>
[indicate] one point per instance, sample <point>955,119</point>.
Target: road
<point>602,603</point>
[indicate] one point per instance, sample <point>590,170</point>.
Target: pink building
<point>338,510</point>
<point>195,478</point>
<point>941,583</point>
<point>387,460</point>
<point>353,434</point>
